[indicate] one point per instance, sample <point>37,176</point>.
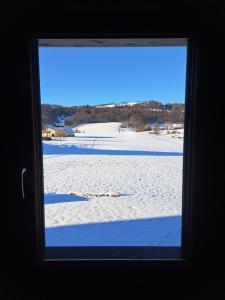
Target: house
<point>178,126</point>
<point>54,131</point>
<point>168,126</point>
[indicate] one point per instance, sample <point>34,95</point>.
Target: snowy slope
<point>146,169</point>
<point>119,104</point>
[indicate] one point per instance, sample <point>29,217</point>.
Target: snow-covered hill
<point>146,169</point>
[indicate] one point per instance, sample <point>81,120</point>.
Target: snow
<point>119,104</point>
<point>145,168</point>
<point>107,105</point>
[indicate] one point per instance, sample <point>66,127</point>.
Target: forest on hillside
<point>140,114</point>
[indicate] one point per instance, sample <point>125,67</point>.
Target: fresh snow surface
<point>145,168</point>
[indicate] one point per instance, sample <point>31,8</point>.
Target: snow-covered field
<point>145,168</point>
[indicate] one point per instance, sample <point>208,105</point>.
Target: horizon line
<point>115,103</point>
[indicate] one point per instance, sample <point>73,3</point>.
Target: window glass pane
<point>113,131</point>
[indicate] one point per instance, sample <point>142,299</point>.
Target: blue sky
<point>81,76</point>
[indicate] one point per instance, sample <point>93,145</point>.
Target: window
<point>113,169</point>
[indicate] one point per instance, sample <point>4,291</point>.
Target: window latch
<point>22,181</point>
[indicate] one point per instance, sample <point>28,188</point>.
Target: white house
<point>168,126</point>
<point>178,125</point>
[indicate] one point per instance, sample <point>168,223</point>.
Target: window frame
<point>188,168</point>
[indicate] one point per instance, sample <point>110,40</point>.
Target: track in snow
<point>103,160</point>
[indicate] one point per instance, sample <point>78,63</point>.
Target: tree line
<point>138,115</point>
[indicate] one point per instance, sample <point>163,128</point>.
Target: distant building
<point>178,125</point>
<point>54,131</point>
<point>168,126</point>
<point>48,132</point>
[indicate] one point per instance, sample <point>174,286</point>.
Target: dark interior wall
<point>203,21</point>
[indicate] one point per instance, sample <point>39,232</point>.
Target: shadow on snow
<point>53,198</point>
<point>50,149</point>
<point>160,231</point>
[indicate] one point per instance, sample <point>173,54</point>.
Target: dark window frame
<point>188,169</point>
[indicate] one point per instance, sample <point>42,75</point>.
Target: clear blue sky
<point>80,76</point>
